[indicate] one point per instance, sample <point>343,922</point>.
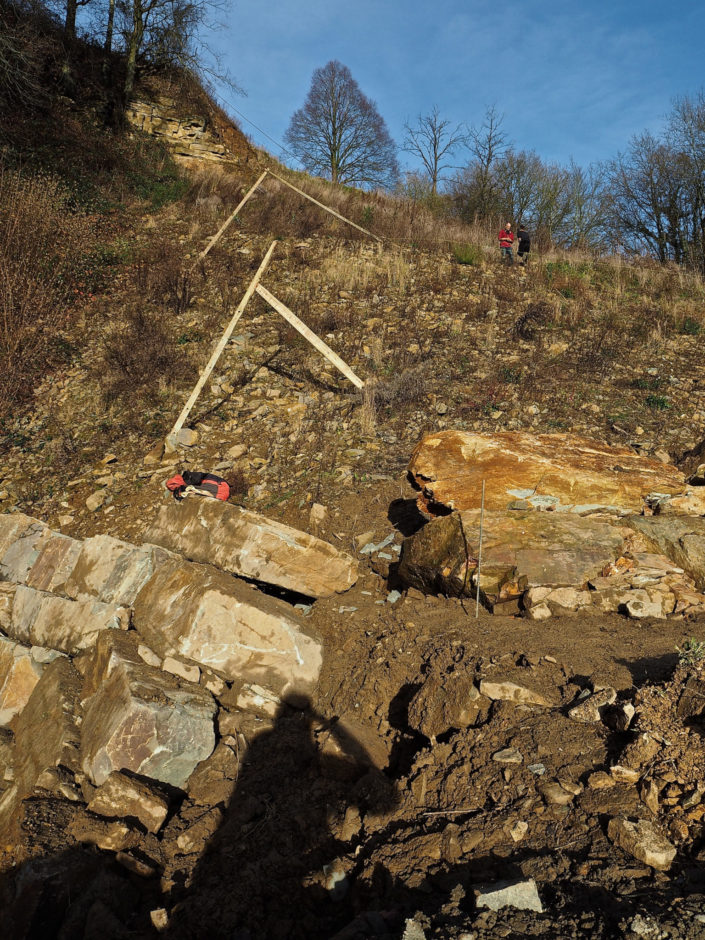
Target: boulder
<point>122,796</point>
<point>141,719</point>
<point>42,619</point>
<point>680,538</point>
<point>47,737</point>
<point>642,840</point>
<point>19,674</point>
<point>247,544</point>
<point>557,471</point>
<point>213,619</point>
<point>445,701</point>
<point>520,550</point>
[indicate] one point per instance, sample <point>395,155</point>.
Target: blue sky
<point>572,79</point>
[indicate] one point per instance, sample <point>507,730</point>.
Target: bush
<point>140,355</point>
<point>41,246</point>
<point>468,254</point>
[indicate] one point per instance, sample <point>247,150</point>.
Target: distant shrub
<point>528,322</point>
<point>657,402</point>
<point>691,327</point>
<point>468,254</point>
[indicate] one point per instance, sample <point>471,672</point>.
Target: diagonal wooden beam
<point>322,206</point>
<point>216,238</point>
<point>314,340</point>
<point>171,438</point>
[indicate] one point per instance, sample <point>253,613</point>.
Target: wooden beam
<point>310,336</point>
<point>220,347</point>
<point>321,206</point>
<point>231,217</point>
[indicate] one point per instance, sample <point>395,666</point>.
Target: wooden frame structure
<point>255,287</point>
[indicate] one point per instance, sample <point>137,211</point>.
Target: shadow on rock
<point>278,865</point>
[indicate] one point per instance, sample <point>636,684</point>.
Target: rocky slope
<point>437,754</point>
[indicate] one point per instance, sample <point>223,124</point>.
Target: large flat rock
<point>143,720</point>
<point>250,545</point>
<point>559,471</point>
<point>520,550</point>
<point>211,618</point>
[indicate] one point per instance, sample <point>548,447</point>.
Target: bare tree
<point>165,33</point>
<point>487,143</point>
<point>432,141</point>
<point>339,133</point>
<point>648,192</point>
<point>686,133</point>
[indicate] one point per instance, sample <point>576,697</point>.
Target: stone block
<point>47,738</point>
<point>112,570</point>
<point>42,619</point>
<point>247,544</point>
<point>141,719</point>
<point>20,545</point>
<point>122,796</point>
<point>215,620</point>
<point>19,674</point>
<point>54,563</point>
<point>643,840</point>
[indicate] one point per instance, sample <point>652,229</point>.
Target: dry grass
<point>40,245</point>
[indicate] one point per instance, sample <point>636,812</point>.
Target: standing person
<point>524,245</point>
<point>506,240</point>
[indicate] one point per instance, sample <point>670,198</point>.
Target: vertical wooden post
<point>479,556</point>
<point>171,438</point>
<point>224,226</point>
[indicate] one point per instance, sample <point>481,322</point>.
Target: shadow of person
<point>276,867</point>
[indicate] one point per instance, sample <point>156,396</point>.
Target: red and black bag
<point>207,484</point>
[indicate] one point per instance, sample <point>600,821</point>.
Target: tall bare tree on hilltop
<point>339,133</point>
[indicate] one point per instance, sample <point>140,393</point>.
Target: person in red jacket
<point>506,240</point>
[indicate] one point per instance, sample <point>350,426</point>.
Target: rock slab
<point>247,544</point>
<point>141,719</point>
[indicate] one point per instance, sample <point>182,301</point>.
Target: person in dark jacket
<point>506,240</point>
<point>524,245</point>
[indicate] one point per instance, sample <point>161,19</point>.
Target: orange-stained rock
<point>547,471</point>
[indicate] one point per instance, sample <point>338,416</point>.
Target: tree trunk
<point>70,21</point>
<point>133,48</point>
<point>109,30</point>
